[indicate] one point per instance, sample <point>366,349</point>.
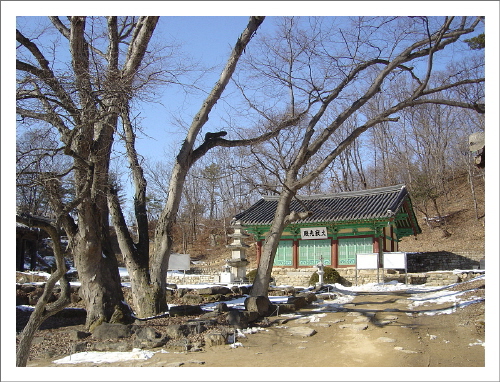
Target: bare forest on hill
<point>454,221</point>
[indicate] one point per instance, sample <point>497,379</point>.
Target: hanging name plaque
<point>313,233</point>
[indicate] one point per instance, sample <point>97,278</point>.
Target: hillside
<point>466,232</point>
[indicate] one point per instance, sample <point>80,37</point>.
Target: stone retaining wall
<point>430,268</point>
<point>295,277</point>
<point>443,261</point>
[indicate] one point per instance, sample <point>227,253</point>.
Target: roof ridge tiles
<point>345,194</point>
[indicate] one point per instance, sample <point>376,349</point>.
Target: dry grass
<point>466,231</point>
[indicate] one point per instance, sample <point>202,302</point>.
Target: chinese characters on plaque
<point>313,233</point>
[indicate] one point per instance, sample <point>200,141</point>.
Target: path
<point>375,329</point>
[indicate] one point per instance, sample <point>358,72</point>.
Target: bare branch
<point>45,74</point>
<point>140,185</point>
<point>142,34</point>
<point>208,144</point>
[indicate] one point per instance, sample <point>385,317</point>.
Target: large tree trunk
<point>98,271</point>
<point>164,235</point>
<point>136,261</point>
<point>261,283</point>
<point>186,158</point>
<point>100,90</point>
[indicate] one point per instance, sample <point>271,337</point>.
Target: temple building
<point>341,225</point>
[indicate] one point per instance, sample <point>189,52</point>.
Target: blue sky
<point>208,40</point>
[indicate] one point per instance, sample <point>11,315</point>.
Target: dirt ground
<point>377,329</point>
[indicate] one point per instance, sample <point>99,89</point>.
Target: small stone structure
<point>238,261</point>
<point>320,272</point>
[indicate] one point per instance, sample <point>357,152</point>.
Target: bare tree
<point>83,101</point>
<point>148,270</point>
<point>343,71</point>
<point>43,308</point>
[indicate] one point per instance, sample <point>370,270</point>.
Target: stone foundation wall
<point>300,277</point>
<point>430,268</point>
<point>295,277</point>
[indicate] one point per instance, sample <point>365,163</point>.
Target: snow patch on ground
<point>105,357</point>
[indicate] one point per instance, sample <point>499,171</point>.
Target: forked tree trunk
<point>136,261</point>
<point>163,236</point>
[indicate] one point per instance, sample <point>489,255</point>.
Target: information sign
<point>395,260</point>
<point>179,262</point>
<point>366,260</point>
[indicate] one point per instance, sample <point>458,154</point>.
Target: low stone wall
<point>430,268</point>
<point>295,277</point>
<point>192,279</point>
<point>439,278</point>
<point>300,277</point>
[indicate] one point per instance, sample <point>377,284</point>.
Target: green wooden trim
<point>284,254</point>
<point>413,217</point>
<point>333,228</point>
<point>310,252</point>
<point>389,238</point>
<point>402,232</point>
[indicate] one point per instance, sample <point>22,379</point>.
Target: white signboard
<point>179,262</point>
<point>395,260</point>
<point>313,233</point>
<point>367,261</point>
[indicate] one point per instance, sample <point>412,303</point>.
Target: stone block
<point>185,310</point>
<point>221,290</point>
<point>78,347</point>
<point>148,343</point>
<point>120,346</point>
<point>237,319</point>
<point>299,302</point>
<point>301,331</point>
<point>146,333</point>
<point>107,331</point>
<point>214,339</point>
<point>310,297</point>
<point>175,331</point>
<point>79,335</point>
<point>259,304</point>
<point>194,327</point>
<point>192,299</point>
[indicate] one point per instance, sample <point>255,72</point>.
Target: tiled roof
<point>376,203</point>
